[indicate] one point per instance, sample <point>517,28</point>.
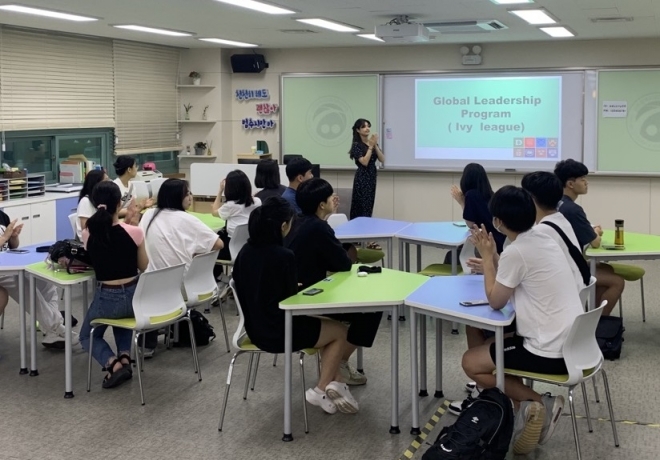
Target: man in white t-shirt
<point>534,275</point>
<point>547,191</point>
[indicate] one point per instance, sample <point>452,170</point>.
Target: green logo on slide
<point>328,121</point>
<point>644,121</point>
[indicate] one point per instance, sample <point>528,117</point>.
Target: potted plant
<point>200,148</point>
<point>196,78</point>
<point>187,107</point>
<point>204,112</point>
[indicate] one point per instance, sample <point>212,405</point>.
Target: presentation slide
<point>488,118</point>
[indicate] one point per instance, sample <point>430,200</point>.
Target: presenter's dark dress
<point>364,184</point>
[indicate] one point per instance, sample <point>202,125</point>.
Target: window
<point>32,152</point>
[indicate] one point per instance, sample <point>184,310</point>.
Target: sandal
<point>128,365</point>
<point>115,378</point>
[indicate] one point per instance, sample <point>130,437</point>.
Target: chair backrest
<point>466,253</point>
<point>581,351</point>
<point>72,220</point>
<point>140,190</point>
<point>238,240</point>
<point>335,220</point>
<point>199,282</point>
<point>586,291</point>
<point>158,294</point>
<point>154,185</point>
<point>240,329</point>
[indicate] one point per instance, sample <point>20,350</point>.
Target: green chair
<point>631,273</point>
<point>445,269</point>
<point>364,255</point>
<point>584,361</point>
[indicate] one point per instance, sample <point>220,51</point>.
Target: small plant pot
<point>187,116</point>
<point>204,117</point>
<point>199,151</point>
<point>196,81</point>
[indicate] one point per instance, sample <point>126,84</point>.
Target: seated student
<point>318,252</point>
<point>534,275</point>
<point>268,180</point>
<point>573,176</point>
<point>236,210</point>
<point>117,252</point>
<point>265,274</point>
<point>126,169</point>
<point>86,208</point>
<point>50,319</point>
<point>298,171</point>
<point>173,236</point>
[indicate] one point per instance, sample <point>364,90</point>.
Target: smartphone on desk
<point>473,303</point>
<point>312,291</point>
<point>613,247</point>
<point>19,251</point>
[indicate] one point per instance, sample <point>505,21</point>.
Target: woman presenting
<point>364,151</point>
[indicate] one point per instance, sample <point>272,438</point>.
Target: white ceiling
<point>208,18</point>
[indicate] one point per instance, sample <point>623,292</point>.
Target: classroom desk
<point>13,264</point>
<point>439,297</point>
<point>212,222</point>
<point>348,293</point>
<point>444,235</point>
<point>366,229</point>
<point>59,278</point>
<point>638,246</point>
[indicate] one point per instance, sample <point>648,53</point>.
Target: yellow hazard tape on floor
<point>426,429</point>
<point>622,422</point>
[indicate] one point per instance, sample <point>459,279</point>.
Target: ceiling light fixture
<point>258,6</point>
<point>511,2</point>
<point>558,32</point>
<point>535,17</point>
<point>152,30</point>
<point>47,13</point>
<point>371,37</point>
<point>328,25</point>
<point>222,41</point>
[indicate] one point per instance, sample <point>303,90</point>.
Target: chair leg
<point>254,373</point>
<point>586,407</point>
<point>318,363</point>
<point>89,360</point>
<point>609,406</point>
<point>275,361</point>
<point>593,380</point>
<point>139,365</point>
<point>193,346</point>
<point>621,308</point>
<point>576,436</point>
<point>224,326</point>
<point>168,337</point>
<point>304,385</point>
<point>641,283</point>
<point>144,341</point>
<point>247,377</point>
<point>229,374</point>
<point>2,320</point>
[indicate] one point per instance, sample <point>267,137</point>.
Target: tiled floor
<point>181,416</point>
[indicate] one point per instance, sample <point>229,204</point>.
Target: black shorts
<point>507,330</point>
<point>306,333</point>
<point>517,357</point>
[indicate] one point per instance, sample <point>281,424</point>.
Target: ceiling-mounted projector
<point>409,32</point>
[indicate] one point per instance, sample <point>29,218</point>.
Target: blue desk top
<point>13,261</point>
<point>443,294</point>
<point>444,233</point>
<point>369,227</point>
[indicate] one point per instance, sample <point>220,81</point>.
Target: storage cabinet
<point>37,220</point>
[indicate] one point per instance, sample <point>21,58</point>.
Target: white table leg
<point>592,292</point>
<point>22,312</point>
<point>454,272</point>
<point>33,328</point>
<point>499,357</point>
<point>288,345</point>
<point>360,360</point>
<point>414,430</point>
<point>394,428</point>
<point>389,255</point>
<point>68,349</point>
<point>422,355</point>
<point>85,300</point>
<point>438,359</point>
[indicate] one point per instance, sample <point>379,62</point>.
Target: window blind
<point>146,99</point>
<point>50,80</point>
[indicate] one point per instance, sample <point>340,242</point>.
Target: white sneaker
<point>351,375</point>
<point>341,396</point>
<point>554,405</point>
<point>223,290</point>
<point>527,426</point>
<point>457,407</point>
<point>148,352</point>
<point>57,341</point>
<point>470,386</point>
<point>321,400</point>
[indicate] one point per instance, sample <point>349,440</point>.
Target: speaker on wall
<point>248,63</point>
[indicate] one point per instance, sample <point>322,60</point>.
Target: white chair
<point>201,287</point>
<point>73,218</point>
<point>158,302</point>
<point>154,185</point>
<point>243,344</point>
<point>335,220</point>
<point>586,291</point>
<point>238,240</point>
<point>584,361</point>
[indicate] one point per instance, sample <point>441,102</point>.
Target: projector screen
<point>503,121</point>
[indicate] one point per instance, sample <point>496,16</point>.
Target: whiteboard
<point>205,178</point>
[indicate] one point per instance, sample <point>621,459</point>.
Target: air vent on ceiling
<point>465,27</point>
<point>297,31</point>
<point>612,19</point>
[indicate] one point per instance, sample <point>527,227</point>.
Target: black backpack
<point>72,254</point>
<point>609,334</point>
<point>202,328</point>
<point>483,431</point>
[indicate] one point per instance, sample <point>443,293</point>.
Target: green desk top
<point>57,277</point>
<point>388,288</point>
<point>636,244</point>
<point>214,223</point>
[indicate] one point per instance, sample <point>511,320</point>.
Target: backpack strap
<point>575,253</point>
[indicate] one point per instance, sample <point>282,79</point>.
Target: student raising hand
<point>483,241</point>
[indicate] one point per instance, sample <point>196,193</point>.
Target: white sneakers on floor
<point>56,340</point>
<point>350,375</point>
<point>320,399</point>
<point>337,397</point>
<point>527,427</point>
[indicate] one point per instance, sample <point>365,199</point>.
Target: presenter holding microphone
<point>364,151</point>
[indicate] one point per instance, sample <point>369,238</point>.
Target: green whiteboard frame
<point>341,140</point>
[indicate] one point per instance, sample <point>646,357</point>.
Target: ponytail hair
<point>106,196</point>
<point>265,223</point>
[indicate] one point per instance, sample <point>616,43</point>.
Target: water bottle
<point>618,232</point>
